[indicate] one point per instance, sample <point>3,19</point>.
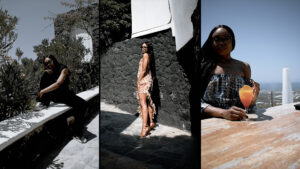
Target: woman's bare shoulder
<point>145,55</point>
<point>244,67</point>
<point>242,63</point>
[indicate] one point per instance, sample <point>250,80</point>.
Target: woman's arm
<point>233,113</point>
<point>63,75</point>
<point>247,71</point>
<point>255,85</point>
<point>256,89</point>
<point>144,68</point>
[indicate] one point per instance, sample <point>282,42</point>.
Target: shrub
<point>15,92</point>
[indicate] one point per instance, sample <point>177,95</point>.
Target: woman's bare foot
<point>145,131</point>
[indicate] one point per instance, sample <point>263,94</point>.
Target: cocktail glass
<point>246,95</point>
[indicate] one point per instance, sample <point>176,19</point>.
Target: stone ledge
<point>19,126</point>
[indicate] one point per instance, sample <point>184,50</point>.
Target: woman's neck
<point>224,59</point>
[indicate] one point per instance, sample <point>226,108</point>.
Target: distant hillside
<point>278,86</point>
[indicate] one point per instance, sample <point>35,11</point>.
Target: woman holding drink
<point>223,78</point>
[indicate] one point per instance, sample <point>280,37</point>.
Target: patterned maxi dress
<point>146,85</point>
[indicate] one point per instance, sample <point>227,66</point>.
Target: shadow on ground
<point>47,161</point>
<point>260,115</point>
<point>159,151</point>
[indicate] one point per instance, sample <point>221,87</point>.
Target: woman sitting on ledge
<point>222,76</point>
<point>54,87</point>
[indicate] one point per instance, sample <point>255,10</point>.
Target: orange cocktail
<point>246,95</point>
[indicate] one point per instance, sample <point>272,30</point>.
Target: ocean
<point>264,98</point>
<point>278,86</point>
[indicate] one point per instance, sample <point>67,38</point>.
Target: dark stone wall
<point>119,66</point>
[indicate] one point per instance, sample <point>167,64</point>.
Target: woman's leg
<point>79,106</point>
<point>150,110</point>
<point>46,81</point>
<point>144,111</point>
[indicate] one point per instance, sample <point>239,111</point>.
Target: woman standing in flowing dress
<point>144,88</point>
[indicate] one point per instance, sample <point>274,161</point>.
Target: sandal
<point>145,131</point>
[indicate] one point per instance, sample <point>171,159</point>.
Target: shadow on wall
<point>155,90</point>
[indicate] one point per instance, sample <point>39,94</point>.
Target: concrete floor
<point>121,148</point>
<point>75,155</point>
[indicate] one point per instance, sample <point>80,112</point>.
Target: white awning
<point>150,16</point>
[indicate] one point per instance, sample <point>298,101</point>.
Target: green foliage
<point>15,91</point>
<point>115,22</point>
<point>15,95</point>
<point>19,53</point>
<point>77,3</point>
<point>19,83</point>
<point>73,19</point>
<point>7,34</point>
<point>32,72</point>
<point>70,52</point>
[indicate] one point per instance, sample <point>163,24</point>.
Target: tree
<point>7,34</point>
<point>19,53</point>
<point>15,91</point>
<point>80,16</point>
<point>115,22</point>
<point>76,18</point>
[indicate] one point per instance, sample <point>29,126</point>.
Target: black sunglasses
<point>224,39</point>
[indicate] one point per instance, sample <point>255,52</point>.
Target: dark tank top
<point>56,73</point>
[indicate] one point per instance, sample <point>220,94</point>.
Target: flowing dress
<point>146,84</point>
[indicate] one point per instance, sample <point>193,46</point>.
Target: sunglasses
<point>48,63</point>
<point>224,39</point>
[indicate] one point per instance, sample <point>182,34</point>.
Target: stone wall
<point>45,141</point>
<point>119,66</point>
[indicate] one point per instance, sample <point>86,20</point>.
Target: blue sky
<point>32,28</point>
<point>267,34</point>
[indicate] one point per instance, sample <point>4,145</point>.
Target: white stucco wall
<point>181,16</point>
<point>86,41</point>
<point>149,16</point>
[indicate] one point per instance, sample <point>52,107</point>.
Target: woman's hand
<point>234,113</point>
<point>49,71</point>
<point>40,94</point>
<point>256,89</point>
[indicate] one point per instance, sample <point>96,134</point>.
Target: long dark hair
<point>155,90</point>
<point>152,59</point>
<point>56,63</point>
<point>208,57</point>
<point>207,47</point>
<point>149,47</point>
